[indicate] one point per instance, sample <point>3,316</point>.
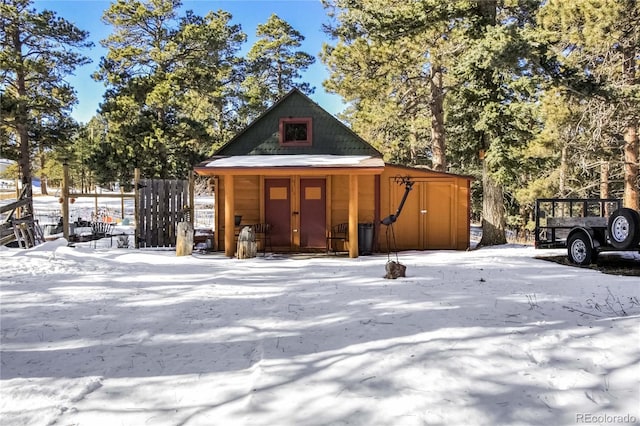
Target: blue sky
<point>306,16</point>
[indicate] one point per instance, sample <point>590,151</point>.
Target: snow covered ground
<point>492,336</point>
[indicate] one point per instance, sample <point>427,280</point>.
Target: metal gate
<point>161,204</point>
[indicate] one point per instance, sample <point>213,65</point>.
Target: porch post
<point>229,213</point>
<point>353,215</point>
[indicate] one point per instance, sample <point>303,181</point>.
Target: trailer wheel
<point>579,249</point>
<point>624,229</point>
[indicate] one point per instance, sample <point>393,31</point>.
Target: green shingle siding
<point>330,136</point>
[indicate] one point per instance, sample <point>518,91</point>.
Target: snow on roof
<point>261,161</point>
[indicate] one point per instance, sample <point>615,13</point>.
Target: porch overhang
<point>303,165</point>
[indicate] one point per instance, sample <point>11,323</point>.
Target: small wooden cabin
<point>300,170</point>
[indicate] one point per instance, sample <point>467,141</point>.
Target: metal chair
<point>262,232</point>
<point>102,230</point>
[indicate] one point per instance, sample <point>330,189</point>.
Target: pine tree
<point>212,73</point>
<point>495,91</point>
<point>274,65</point>
<point>39,49</point>
<point>389,64</point>
<point>479,66</point>
<point>600,41</point>
<point>169,80</point>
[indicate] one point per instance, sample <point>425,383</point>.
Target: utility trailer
<point>586,227</point>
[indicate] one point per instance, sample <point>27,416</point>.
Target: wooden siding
<point>246,196</point>
<point>436,214</point>
<point>247,191</point>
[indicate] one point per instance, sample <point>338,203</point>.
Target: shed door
<point>425,222</point>
<point>407,230</point>
<point>277,210</point>
<point>437,203</point>
<point>313,216</point>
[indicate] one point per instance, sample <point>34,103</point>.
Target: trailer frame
<point>586,227</point>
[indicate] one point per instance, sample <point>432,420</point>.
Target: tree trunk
<point>24,162</point>
<point>631,179</point>
<point>604,179</point>
<point>493,213</point>
<point>43,177</point>
<point>44,189</point>
<point>631,144</point>
<point>438,143</point>
<point>562,185</point>
<point>22,118</point>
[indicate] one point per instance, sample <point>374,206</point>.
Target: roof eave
<point>289,170</point>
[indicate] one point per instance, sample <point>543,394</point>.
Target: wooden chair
<point>339,232</point>
<point>27,232</point>
<point>262,232</point>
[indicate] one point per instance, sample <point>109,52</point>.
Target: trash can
<point>365,239</point>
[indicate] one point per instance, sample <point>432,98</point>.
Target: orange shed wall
<point>339,199</point>
<point>247,203</point>
<point>431,189</point>
<point>366,199</point>
<point>248,200</point>
<point>435,215</point>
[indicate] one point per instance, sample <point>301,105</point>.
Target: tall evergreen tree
<point>601,40</point>
<point>274,64</point>
<point>387,93</point>
<point>38,50</point>
<point>212,72</point>
<point>404,50</point>
<point>496,88</point>
<point>163,72</point>
<point>490,88</point>
<point>50,130</point>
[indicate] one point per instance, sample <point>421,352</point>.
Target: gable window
<point>296,131</point>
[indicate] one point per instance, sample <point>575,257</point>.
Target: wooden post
<point>216,214</point>
<point>353,216</point>
<point>184,239</point>
<point>18,212</point>
<point>122,202</point>
<point>376,213</point>
<point>192,198</point>
<point>247,247</point>
<point>229,216</point>
<point>65,201</point>
<point>95,204</point>
<point>136,206</point>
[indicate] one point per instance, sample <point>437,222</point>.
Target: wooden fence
<point>15,227</point>
<point>159,205</point>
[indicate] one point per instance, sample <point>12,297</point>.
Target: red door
<point>277,211</point>
<point>312,213</point>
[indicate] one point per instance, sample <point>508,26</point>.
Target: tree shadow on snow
<point>471,345</point>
